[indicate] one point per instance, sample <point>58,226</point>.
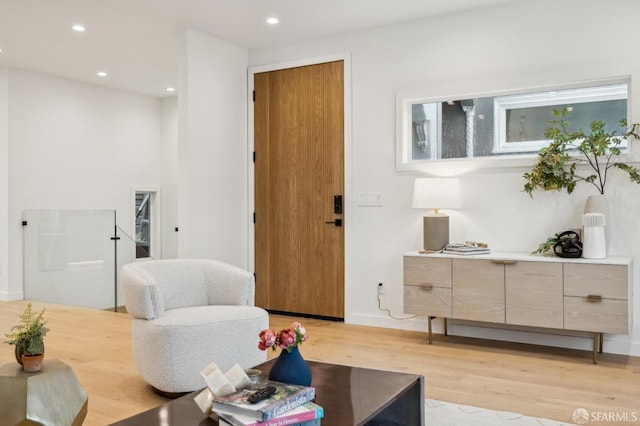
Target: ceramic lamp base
<point>436,231</point>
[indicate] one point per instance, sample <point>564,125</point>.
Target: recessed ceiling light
<point>170,89</point>
<point>79,28</point>
<point>0,50</point>
<point>273,20</point>
<point>101,74</point>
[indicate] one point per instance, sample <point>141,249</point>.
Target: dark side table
<point>51,396</point>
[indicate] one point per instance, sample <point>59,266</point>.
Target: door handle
<point>337,222</point>
<point>504,262</point>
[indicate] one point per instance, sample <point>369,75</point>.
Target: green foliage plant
<point>546,248</point>
<point>557,164</point>
<point>29,333</point>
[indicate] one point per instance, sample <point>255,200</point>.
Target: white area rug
<point>440,413</point>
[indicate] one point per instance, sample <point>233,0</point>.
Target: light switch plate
<point>370,198</point>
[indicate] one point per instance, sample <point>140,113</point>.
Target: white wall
<point>74,146</point>
<point>169,131</point>
<point>4,183</point>
<point>212,151</point>
<point>519,45</point>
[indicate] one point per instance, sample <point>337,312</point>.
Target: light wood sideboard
<point>519,289</point>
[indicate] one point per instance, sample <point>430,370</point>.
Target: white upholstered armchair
<point>188,313</point>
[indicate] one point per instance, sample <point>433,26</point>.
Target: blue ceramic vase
<point>290,367</point>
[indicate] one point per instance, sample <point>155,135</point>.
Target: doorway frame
<point>347,140</point>
<point>155,250</point>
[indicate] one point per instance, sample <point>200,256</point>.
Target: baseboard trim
<point>9,296</point>
<point>295,314</point>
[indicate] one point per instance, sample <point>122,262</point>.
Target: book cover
<point>466,253</point>
<point>300,415</point>
<point>316,422</point>
<point>285,398</point>
<point>465,248</point>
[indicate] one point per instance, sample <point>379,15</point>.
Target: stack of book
<point>466,249</point>
<point>288,405</point>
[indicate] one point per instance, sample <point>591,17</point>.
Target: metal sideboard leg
<point>601,342</point>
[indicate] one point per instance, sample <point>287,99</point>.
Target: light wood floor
<point>533,380</point>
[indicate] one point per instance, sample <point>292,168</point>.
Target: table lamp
<point>436,193</point>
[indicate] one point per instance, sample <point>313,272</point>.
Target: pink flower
<point>300,330</point>
<point>267,339</point>
<point>287,337</point>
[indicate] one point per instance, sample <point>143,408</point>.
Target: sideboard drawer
<point>427,300</point>
<point>427,271</point>
<point>607,281</point>
<point>599,315</point>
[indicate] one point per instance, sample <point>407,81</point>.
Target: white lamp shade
<point>436,193</point>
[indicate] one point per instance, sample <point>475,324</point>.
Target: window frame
<point>155,219</point>
<point>455,166</point>
<point>503,104</point>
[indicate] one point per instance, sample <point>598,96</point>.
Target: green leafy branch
<point>557,168</point>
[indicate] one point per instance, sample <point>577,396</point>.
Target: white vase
<point>594,244</point>
<point>599,204</point>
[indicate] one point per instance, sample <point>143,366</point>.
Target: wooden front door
<point>299,171</point>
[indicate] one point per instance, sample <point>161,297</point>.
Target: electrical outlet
<point>380,287</point>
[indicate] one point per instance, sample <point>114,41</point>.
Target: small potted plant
<point>28,339</point>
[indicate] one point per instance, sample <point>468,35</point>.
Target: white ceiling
<point>136,41</point>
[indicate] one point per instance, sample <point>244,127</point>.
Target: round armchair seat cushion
<point>171,350</point>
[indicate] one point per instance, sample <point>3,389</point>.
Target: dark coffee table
<point>350,396</point>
